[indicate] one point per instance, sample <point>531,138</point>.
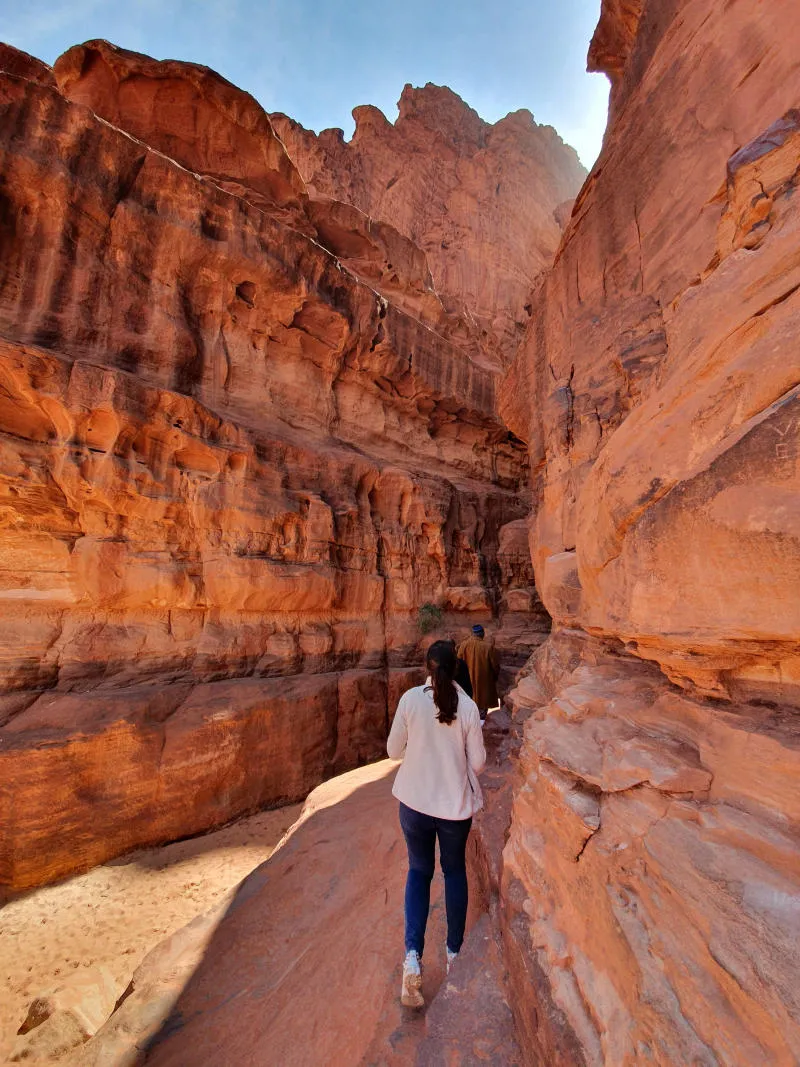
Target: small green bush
<point>428,618</point>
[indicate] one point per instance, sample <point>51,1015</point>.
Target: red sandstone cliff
<point>235,462</point>
<point>215,523</point>
<point>479,199</point>
<point>651,888</point>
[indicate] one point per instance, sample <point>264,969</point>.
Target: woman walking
<point>437,734</point>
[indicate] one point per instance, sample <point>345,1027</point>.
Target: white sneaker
<point>410,995</point>
<point>450,957</point>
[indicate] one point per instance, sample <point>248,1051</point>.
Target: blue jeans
<point>420,832</point>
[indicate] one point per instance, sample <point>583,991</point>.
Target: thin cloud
<point>26,26</point>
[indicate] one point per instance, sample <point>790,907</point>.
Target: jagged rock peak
<point>479,198</point>
<point>441,110</point>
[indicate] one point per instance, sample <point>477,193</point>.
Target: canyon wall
<point>479,199</point>
<point>242,443</point>
<point>651,882</point>
<point>250,424</point>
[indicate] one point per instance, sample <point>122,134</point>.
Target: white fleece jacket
<point>441,763</point>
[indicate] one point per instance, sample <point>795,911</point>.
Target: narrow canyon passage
<point>298,964</point>
<point>250,452</point>
<point>304,966</point>
<point>240,459</point>
<point>277,408</point>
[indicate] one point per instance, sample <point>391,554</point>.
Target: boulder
<point>66,1016</point>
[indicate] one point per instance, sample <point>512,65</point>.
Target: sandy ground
<point>114,914</point>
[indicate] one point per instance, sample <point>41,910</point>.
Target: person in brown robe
<point>483,664</point>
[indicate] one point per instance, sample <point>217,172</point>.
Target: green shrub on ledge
<point>428,617</point>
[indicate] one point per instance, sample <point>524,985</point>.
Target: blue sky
<point>317,59</point>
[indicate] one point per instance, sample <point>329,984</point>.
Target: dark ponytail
<point>441,664</point>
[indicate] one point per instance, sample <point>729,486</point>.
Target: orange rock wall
<point>651,881</point>
<point>479,199</point>
<point>231,472</point>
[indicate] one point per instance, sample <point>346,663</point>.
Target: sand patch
<point>115,914</point>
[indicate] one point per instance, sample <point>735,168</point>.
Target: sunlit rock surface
<point>651,885</point>
<point>235,464</point>
<point>479,199</point>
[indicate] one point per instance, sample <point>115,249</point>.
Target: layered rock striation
<point>250,426</point>
<point>651,887</point>
<point>239,452</point>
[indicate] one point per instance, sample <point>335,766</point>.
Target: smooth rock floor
<point>302,966</point>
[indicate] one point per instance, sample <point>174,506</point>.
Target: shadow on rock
<point>303,966</point>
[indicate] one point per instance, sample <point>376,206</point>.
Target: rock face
<point>186,111</point>
<point>478,199</point>
<point>651,887</point>
<point>15,61</point>
<point>235,463</point>
<point>640,356</point>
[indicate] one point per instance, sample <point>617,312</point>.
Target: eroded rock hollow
<point>244,440</point>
